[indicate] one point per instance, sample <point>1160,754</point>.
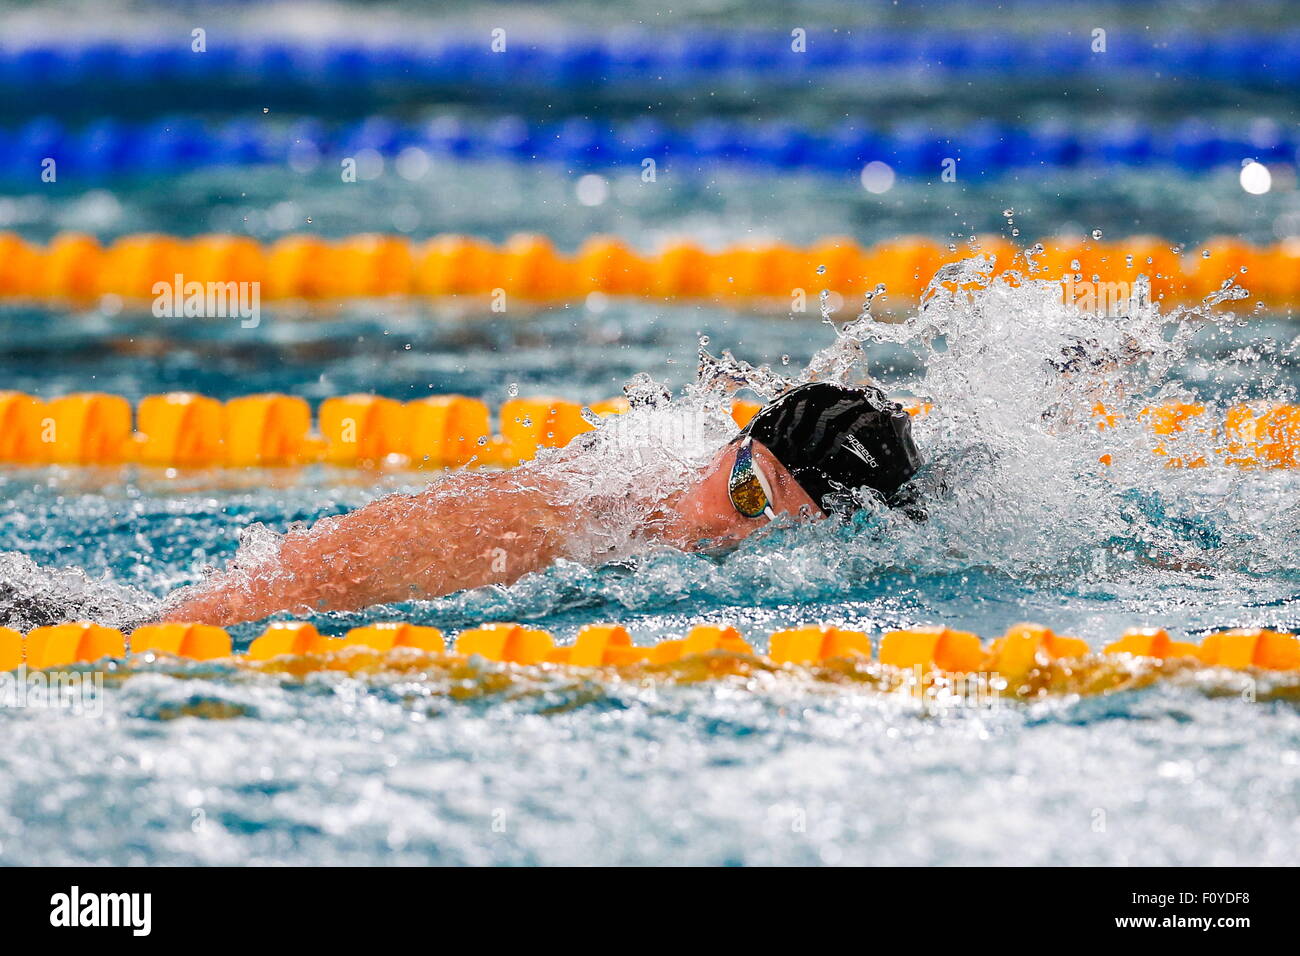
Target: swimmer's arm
<point>472,530</point>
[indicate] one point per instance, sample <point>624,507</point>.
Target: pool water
<point>191,764</point>
<point>183,763</point>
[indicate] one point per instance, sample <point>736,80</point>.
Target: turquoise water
<point>496,200</point>
<point>555,769</point>
<point>201,764</point>
<point>335,772</point>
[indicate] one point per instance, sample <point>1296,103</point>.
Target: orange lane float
<point>266,430</point>
<point>1263,436</point>
<point>1024,651</point>
<point>182,429</point>
<point>1172,419</point>
<point>87,428</point>
<point>11,649</point>
<point>179,429</point>
<point>75,267</point>
<point>1150,642</point>
<point>387,635</point>
<point>529,424</point>
<point>446,431</point>
<point>600,645</point>
<point>807,645</point>
<point>24,434</point>
<point>510,643</point>
<point>291,638</point>
<point>932,649</point>
<point>1024,646</point>
<point>200,642</point>
<point>362,428</point>
<point>75,643</point>
<point>1270,650</point>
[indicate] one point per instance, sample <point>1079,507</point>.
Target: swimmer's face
<point>705,510</point>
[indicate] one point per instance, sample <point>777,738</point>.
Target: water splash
<point>32,596</point>
<point>1022,479</point>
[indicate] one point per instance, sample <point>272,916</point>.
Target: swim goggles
<point>747,487</point>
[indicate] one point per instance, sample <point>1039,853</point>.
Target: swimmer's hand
<point>470,530</point>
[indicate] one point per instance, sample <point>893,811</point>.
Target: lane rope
<point>109,149</point>
<point>191,277</point>
<point>1027,662</point>
<point>184,429</point>
<point>345,69</point>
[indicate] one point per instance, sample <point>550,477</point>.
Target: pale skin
<point>494,529</point>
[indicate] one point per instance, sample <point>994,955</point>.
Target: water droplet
<point>1205,253</point>
<point>512,390</point>
<point>1008,212</point>
<point>821,270</point>
<point>1015,232</point>
<point>785,360</point>
<point>482,439</point>
<point>704,341</point>
<point>1096,234</point>
<point>1074,264</point>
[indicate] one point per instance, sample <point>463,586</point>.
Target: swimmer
<point>800,457</point>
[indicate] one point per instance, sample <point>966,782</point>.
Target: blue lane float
<point>109,149</point>
<point>345,69</point>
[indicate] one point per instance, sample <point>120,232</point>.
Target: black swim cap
<point>835,438</point>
